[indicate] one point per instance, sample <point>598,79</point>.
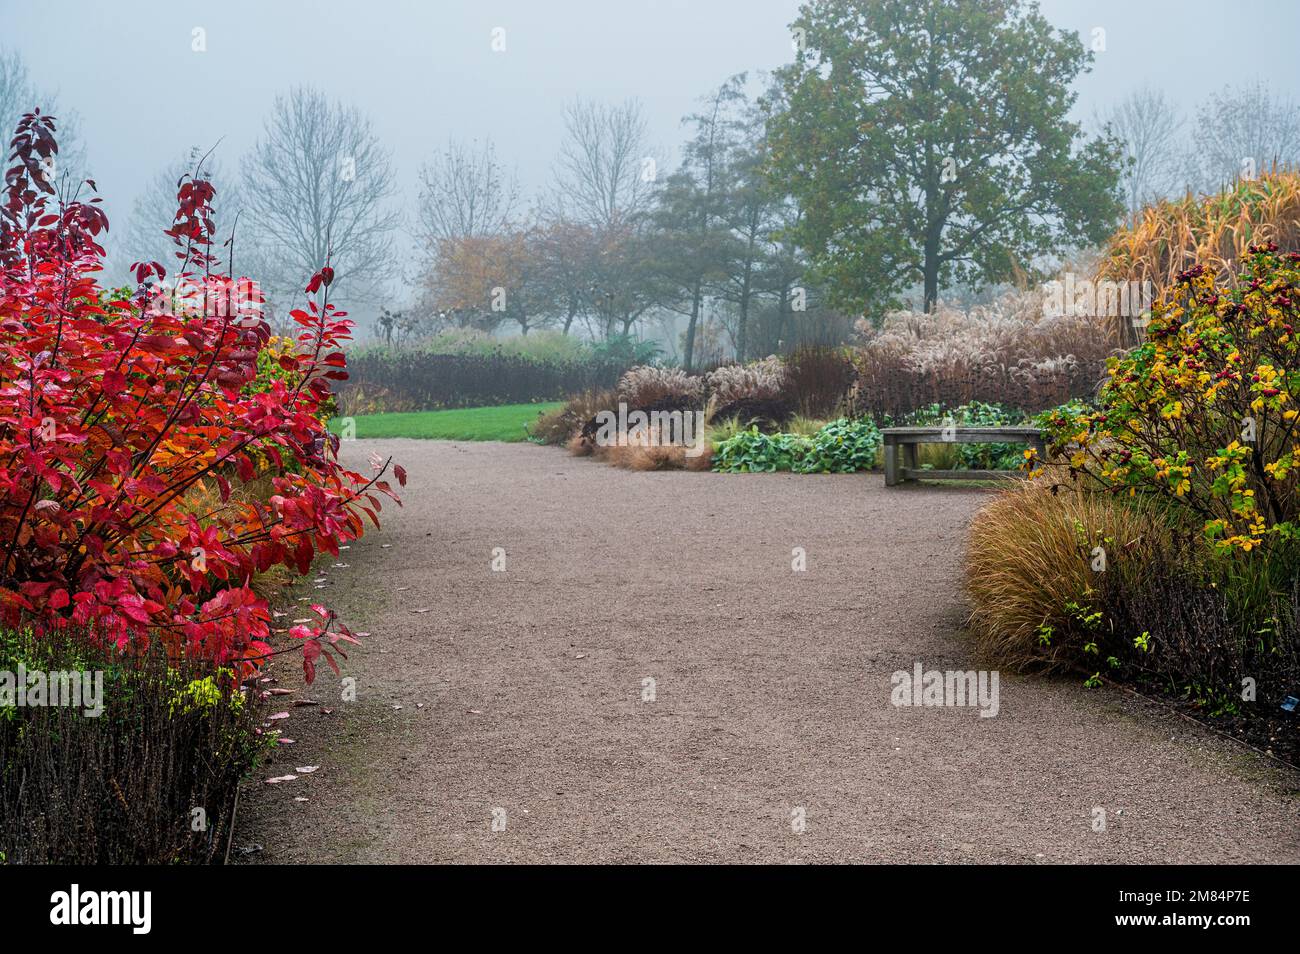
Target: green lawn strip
<point>503,423</point>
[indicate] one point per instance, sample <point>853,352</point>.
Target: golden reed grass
<point>1169,237</point>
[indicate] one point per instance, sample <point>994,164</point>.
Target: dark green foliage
<point>841,447</point>
<point>929,142</point>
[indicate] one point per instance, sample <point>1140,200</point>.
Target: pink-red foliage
<point>112,411</point>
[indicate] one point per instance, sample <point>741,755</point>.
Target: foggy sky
<point>426,71</point>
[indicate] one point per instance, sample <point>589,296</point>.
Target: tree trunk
<point>690,329</point>
<point>742,334</point>
<point>782,315</point>
<point>931,272</point>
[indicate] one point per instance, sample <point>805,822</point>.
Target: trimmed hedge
<point>419,381</point>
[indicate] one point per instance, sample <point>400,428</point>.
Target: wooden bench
<point>906,439</point>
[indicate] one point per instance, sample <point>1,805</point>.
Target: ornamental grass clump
<point>760,380</point>
<point>649,387</point>
<point>1030,576</point>
<point>1214,232</point>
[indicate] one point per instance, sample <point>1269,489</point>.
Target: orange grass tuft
<point>1030,555</point>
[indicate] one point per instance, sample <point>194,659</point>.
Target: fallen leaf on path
<point>306,769</point>
<point>280,778</point>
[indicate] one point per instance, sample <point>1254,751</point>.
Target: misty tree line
<point>1237,132</point>
<point>616,246</point>
<point>909,150</point>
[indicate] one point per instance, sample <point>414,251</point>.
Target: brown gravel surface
<point>522,690</point>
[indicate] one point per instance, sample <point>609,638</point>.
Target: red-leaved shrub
<point>110,411</point>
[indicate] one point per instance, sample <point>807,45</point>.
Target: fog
<point>148,80</point>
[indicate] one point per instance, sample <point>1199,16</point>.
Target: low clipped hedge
<point>381,380</point>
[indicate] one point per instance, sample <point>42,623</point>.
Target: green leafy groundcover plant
<point>839,447</point>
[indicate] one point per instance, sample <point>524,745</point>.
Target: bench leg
<point>910,460</point>
<point>891,464</point>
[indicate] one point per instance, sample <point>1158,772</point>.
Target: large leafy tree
<point>928,142</point>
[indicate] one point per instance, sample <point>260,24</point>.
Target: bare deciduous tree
<point>465,193</point>
<point>605,173</point>
<point>1149,127</point>
<point>1242,132</point>
<point>317,185</point>
<point>155,209</point>
<point>19,95</point>
<point>604,184</point>
<point>16,93</point>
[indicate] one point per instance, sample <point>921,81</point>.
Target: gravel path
<point>522,691</point>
